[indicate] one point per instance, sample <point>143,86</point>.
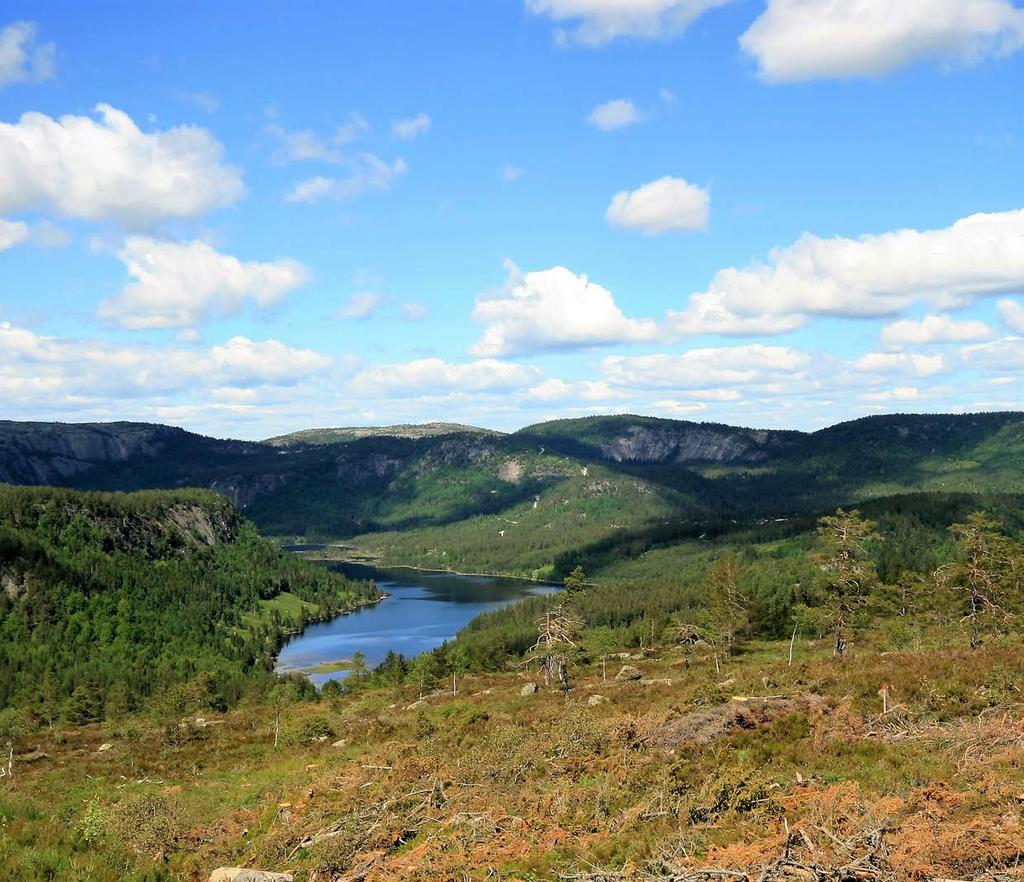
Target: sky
<point>247,219</point>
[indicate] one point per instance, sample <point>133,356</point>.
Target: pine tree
<point>983,574</point>
<point>725,613</point>
<point>850,575</point>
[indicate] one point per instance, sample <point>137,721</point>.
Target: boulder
<point>529,689</point>
<point>105,746</point>
<point>240,874</point>
<point>627,674</point>
<point>595,700</point>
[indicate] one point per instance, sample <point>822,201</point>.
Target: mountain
<point>448,495</point>
<point>353,433</point>
<point>142,592</point>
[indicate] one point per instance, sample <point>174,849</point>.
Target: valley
<point>717,683</point>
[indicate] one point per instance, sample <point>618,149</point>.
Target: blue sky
<point>251,218</point>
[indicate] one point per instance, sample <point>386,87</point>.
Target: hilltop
<point>343,434</point>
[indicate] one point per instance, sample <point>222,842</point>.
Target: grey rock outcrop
<point>628,674</point>
<point>241,874</point>
<point>529,689</point>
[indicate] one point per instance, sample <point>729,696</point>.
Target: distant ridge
<point>550,487</point>
<point>342,434</point>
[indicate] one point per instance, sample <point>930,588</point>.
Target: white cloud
<point>711,367</point>
<point>73,372</point>
<point>412,127</point>
<point>615,114</point>
<point>305,145</point>
<point>12,233</point>
<point>898,362</point>
<point>596,22</point>
<point>415,312</point>
<point>511,172</point>
<point>796,40</point>
<point>869,277</point>
<point>549,310</point>
<point>933,329</point>
<point>898,393</point>
<point>203,100</point>
<point>352,129</point>
<point>42,234</point>
<point>707,314</point>
<point>432,375</point>
<point>662,206</point>
<point>22,59</point>
<point>111,170</point>
<point>1012,314</point>
<point>244,362</point>
<point>182,284</point>
<point>369,174</point>
<point>360,306</point>
<point>1005,354</point>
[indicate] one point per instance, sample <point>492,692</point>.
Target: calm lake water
<point>421,611</point>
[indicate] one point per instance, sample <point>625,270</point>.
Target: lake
<point>421,611</point>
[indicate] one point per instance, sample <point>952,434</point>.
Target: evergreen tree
<point>983,574</point>
<point>850,574</point>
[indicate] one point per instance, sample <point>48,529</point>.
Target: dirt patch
<point>704,727</point>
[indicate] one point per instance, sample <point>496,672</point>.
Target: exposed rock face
<point>240,874</point>
<point>49,453</point>
<point>57,453</point>
<point>627,673</point>
<point>694,443</point>
<point>511,471</point>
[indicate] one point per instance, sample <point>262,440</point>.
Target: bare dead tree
<point>556,641</point>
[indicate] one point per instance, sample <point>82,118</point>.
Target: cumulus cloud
<point>933,329</point>
<point>662,206</point>
<point>244,362</point>
<point>596,22</point>
<point>901,363</point>
<point>796,40</point>
<point>368,174</point>
<point>711,367</point>
<point>615,114</point>
<point>707,314</point>
<point>96,371</point>
<point>897,393</point>
<point>22,58</point>
<point>1012,314</point>
<point>182,284</point>
<point>433,375</point>
<point>869,277</point>
<point>412,127</point>
<point>551,310</point>
<point>108,169</point>
<point>12,233</point>
<point>360,306</point>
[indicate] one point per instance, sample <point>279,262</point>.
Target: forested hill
<point>109,602</point>
<point>578,479</point>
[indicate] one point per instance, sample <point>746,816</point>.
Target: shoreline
<point>376,562</point>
